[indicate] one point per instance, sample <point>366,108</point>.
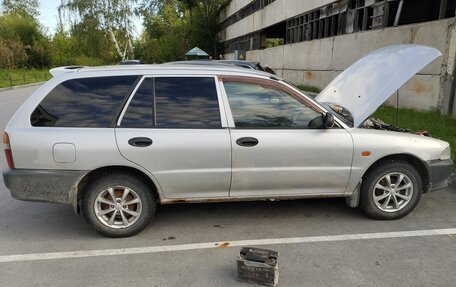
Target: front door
<point>277,149</point>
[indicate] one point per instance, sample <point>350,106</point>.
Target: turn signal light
<point>8,154</point>
<point>366,153</point>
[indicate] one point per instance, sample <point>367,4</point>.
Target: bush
<point>6,56</point>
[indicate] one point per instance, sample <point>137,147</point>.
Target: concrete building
<point>311,41</point>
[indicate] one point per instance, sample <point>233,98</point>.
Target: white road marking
<point>209,245</point>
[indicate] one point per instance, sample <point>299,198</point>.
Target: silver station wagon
<point>114,142</point>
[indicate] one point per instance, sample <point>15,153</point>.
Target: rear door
<point>173,127</point>
<point>276,149</point>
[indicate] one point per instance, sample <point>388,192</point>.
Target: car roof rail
<point>130,62</point>
<point>65,69</point>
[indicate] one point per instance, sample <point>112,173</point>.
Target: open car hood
<point>370,81</point>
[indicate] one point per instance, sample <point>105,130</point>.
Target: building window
<point>345,17</point>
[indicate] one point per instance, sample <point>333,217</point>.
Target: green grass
<point>308,88</point>
<point>440,126</point>
<point>16,77</point>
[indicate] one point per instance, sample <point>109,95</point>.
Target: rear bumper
<point>439,173</point>
<point>43,185</point>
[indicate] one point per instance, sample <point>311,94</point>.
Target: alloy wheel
<point>393,191</point>
<point>118,207</point>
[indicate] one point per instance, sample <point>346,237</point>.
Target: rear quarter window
<point>86,102</point>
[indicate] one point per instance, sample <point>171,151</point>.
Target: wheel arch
<point>92,175</point>
<point>416,162</point>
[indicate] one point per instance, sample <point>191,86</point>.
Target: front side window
<point>186,102</point>
<point>85,102</point>
<point>258,106</point>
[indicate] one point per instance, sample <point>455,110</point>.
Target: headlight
<point>446,154</point>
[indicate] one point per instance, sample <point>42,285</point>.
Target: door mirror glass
<point>328,120</point>
<point>322,121</point>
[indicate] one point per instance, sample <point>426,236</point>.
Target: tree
<point>163,38</point>
<point>23,36</point>
<point>24,8</point>
<point>113,17</point>
<point>6,56</point>
<point>174,26</point>
<point>206,26</point>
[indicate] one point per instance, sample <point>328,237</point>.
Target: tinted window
<point>87,102</point>
<point>140,112</point>
<point>255,106</point>
<point>186,102</point>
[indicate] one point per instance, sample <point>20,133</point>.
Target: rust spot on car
<point>222,244</point>
<point>178,201</point>
<point>237,199</point>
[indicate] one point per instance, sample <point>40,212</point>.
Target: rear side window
<point>186,102</point>
<point>86,102</point>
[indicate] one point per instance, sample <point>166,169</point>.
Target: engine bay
<point>378,124</point>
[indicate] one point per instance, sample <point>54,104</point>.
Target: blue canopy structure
<point>197,52</point>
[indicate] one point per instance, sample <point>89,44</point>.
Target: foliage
<point>172,27</point>
<point>22,42</point>
<point>113,17</point>
<point>84,44</point>
<point>101,32</point>
<point>163,36</point>
<point>205,27</point>
<point>14,77</point>
<point>12,54</point>
<point>308,88</point>
<point>24,8</point>
<point>274,42</point>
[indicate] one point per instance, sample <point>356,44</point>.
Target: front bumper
<point>58,186</point>
<point>439,173</point>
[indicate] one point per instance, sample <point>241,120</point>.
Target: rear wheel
<point>391,190</point>
<point>118,205</point>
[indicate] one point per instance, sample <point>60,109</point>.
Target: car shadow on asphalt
<point>61,221</point>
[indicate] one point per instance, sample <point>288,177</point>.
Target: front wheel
<point>391,190</point>
<point>118,205</point>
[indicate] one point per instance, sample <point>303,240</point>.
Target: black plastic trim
<point>439,173</point>
<point>42,185</point>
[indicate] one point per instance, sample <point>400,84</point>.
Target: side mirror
<point>328,120</point>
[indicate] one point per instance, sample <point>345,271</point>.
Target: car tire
<point>390,190</point>
<point>118,205</point>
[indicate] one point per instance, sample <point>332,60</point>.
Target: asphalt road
<point>161,255</point>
